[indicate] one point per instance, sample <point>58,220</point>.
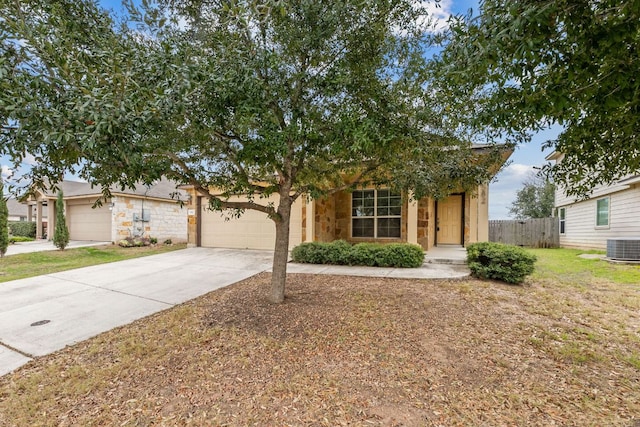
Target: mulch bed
<point>348,351</point>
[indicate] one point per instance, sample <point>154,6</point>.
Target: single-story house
<point>21,212</point>
<point>364,215</point>
<point>146,211</point>
<point>610,211</point>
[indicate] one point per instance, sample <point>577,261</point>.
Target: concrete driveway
<point>42,314</point>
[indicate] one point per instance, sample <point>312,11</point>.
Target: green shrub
<point>337,253</point>
<point>340,252</point>
<point>61,231</point>
<point>18,239</point>
<point>365,254</point>
<point>134,242</point>
<point>4,219</point>
<point>401,255</point>
<point>23,228</point>
<point>488,260</point>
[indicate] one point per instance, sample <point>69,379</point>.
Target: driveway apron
<point>42,314</point>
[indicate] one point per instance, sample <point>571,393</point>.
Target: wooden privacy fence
<point>533,233</point>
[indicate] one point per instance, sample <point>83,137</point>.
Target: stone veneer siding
<point>333,220</point>
<point>167,219</point>
<point>304,223</point>
<point>426,223</point>
<point>325,220</point>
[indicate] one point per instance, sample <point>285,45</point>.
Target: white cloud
<point>502,193</point>
<point>433,16</point>
<point>6,172</point>
<point>439,13</point>
<point>29,159</point>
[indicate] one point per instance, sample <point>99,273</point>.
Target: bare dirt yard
<point>354,352</point>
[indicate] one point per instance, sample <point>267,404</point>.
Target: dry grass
<point>353,351</point>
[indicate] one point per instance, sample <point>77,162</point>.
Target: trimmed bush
<point>4,219</point>
<point>340,252</point>
<point>61,232</point>
<point>20,239</point>
<point>23,228</point>
<point>134,242</point>
<point>510,264</point>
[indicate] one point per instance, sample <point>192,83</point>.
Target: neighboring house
<point>365,215</point>
<point>21,212</point>
<point>146,211</point>
<point>17,211</point>
<point>611,211</point>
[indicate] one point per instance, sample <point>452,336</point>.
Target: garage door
<point>253,230</point>
<point>86,223</point>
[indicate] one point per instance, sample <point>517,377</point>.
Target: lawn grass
<point>563,349</point>
<point>566,267</point>
<point>37,263</point>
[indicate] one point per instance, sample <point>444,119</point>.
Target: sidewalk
<point>47,245</point>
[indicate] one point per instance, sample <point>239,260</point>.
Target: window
<point>562,215</point>
<point>376,213</point>
<point>602,212</point>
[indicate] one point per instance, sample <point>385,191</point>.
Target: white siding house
<point>609,212</point>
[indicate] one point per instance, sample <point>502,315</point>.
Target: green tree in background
<point>522,65</point>
<point>4,222</point>
<point>61,232</point>
<point>535,199</point>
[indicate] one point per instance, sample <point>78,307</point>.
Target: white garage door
<point>86,223</point>
<point>253,230</point>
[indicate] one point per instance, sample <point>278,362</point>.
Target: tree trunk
<point>281,252</point>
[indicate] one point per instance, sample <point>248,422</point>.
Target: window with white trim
<point>376,214</point>
<point>562,214</point>
<point>602,212</point>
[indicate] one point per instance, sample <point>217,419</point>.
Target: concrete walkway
<point>440,263</point>
<point>47,245</point>
<point>43,314</point>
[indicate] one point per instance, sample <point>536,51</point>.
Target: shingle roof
<point>162,189</point>
<point>16,208</point>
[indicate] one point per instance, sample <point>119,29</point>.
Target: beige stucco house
<point>151,211</point>
<point>364,215</point>
<point>610,212</point>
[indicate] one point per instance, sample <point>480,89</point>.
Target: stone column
<point>38,219</point>
<point>412,220</point>
<point>310,220</point>
<point>51,219</point>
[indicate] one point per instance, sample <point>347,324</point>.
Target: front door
<point>449,221</point>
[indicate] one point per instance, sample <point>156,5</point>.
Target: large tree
<point>234,97</point>
<point>521,65</point>
<point>535,199</point>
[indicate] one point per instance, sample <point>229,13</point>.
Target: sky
<point>502,191</point>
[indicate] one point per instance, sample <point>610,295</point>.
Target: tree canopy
<point>536,198</point>
<point>522,65</point>
<point>252,97</point>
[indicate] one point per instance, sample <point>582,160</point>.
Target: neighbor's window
<point>562,214</point>
<point>376,213</point>
<point>602,212</point>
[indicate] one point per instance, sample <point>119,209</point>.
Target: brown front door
<point>449,221</point>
